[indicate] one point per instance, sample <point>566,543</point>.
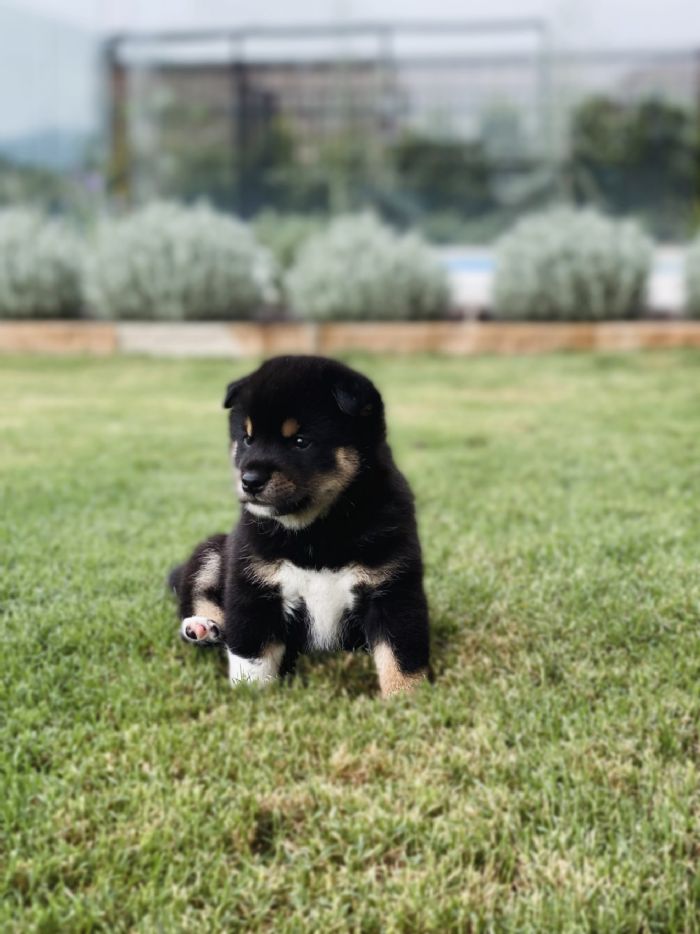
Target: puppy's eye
<point>301,442</point>
<point>247,440</point>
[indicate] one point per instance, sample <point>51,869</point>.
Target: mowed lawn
<point>548,780</point>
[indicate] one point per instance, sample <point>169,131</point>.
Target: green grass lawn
<point>548,780</point>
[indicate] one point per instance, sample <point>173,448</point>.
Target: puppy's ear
<point>357,396</point>
<point>233,390</point>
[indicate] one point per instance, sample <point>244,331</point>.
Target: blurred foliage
<point>692,279</point>
<point>361,269</point>
<point>270,172</point>
<point>443,175</point>
<point>29,185</point>
<point>40,266</point>
<point>77,195</point>
<point>285,234</point>
<point>171,262</point>
<point>191,160</point>
<point>203,171</point>
<point>501,131</point>
<point>637,159</point>
<point>641,159</point>
<point>572,265</point>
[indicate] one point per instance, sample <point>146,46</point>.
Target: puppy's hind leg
<point>397,630</point>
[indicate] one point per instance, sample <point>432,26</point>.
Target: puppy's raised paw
<point>199,630</point>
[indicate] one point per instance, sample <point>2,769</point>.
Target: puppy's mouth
<point>274,507</point>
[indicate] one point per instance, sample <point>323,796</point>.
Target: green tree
<point>444,175</point>
<point>641,159</point>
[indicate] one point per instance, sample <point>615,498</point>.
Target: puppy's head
<point>301,430</point>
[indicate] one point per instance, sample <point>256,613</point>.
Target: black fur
<point>370,522</point>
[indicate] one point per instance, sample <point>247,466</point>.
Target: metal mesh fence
<point>454,129</point>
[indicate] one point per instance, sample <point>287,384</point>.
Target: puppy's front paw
<point>200,631</point>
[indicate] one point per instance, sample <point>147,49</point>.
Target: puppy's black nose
<point>254,480</point>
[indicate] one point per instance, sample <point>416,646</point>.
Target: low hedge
<point>39,266</point>
<point>572,265</point>
<point>361,269</point>
<point>172,262</point>
<point>692,279</point>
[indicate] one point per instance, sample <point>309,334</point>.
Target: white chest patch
<point>327,595</point>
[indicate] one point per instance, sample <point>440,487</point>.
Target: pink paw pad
<point>199,629</point>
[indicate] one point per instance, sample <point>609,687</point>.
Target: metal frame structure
<point>544,84</point>
<point>236,58</point>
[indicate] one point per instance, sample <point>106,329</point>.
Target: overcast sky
<point>577,22</point>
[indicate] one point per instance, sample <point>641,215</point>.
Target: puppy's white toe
<point>200,630</point>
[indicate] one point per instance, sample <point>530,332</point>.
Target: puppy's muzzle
<point>254,480</point>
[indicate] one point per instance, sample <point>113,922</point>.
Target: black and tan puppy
<point>325,555</point>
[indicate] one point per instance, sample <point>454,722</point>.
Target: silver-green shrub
<point>168,261</point>
<point>39,266</point>
<point>285,234</point>
<point>570,265</point>
<point>692,278</point>
<point>360,269</point>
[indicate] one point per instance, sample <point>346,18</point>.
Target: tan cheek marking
<point>391,679</point>
<point>249,427</point>
<point>279,485</point>
<point>331,485</point>
<point>290,426</point>
<point>348,461</point>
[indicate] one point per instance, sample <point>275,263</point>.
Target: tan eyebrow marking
<point>248,427</point>
<point>290,426</point>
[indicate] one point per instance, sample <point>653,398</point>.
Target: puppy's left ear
<point>233,391</point>
<point>357,396</point>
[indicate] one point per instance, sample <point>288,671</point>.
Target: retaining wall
<point>248,339</point>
